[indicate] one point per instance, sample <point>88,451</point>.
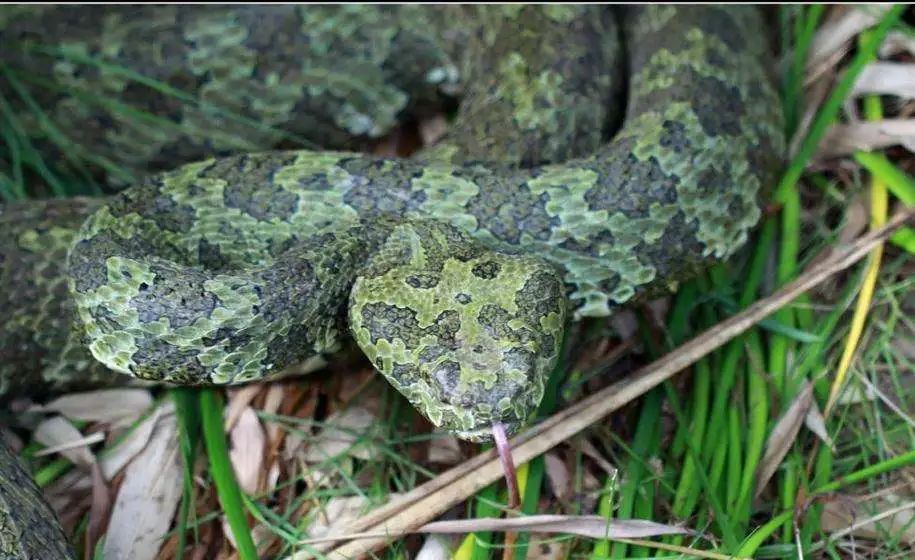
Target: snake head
<point>468,335</point>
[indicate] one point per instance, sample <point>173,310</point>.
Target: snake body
<point>455,271</point>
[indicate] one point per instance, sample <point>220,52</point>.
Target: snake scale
<point>455,270</point>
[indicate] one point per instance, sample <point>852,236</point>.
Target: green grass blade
<point>869,472</point>
<point>211,410</point>
<point>188,412</point>
<point>897,181</point>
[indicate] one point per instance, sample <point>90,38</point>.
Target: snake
<point>596,156</point>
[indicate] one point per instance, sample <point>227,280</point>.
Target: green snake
<point>455,271</point>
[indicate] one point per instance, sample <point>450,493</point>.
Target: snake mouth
<point>484,434</point>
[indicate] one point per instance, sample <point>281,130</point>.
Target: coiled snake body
<point>455,270</point>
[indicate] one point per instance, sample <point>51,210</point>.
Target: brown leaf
<point>857,216</point>
<point>432,130</point>
<point>845,139</point>
<point>274,399</point>
<point>588,449</point>
<point>558,475</point>
<point>444,449</point>
<point>783,435</point>
<point>146,501</point>
<point>98,510</point>
<point>247,453</point>
<point>547,549</point>
<point>117,407</point>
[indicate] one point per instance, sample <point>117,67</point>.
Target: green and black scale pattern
<point>455,271</point>
<point>229,270</point>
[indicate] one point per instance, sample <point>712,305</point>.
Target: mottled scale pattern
<point>28,526</point>
<point>231,257</point>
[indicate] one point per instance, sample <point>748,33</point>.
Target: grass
<point>690,450</point>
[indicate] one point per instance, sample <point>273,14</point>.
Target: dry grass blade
<point>591,526</point>
<point>833,35</point>
<point>886,400</point>
<point>782,436</point>
<point>146,502</point>
<point>845,139</point>
<point>839,520</point>
<point>886,78</point>
<point>427,501</point>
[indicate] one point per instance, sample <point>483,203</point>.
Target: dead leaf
<point>845,139</point>
<point>782,436</point>
<point>817,424</point>
<point>853,394</point>
<point>886,78</point>
<point>117,407</point>
<point>588,449</point>
<point>98,510</point>
<point>117,457</point>
<point>857,216</point>
<point>247,453</point>
<point>239,400</point>
<point>260,535</point>
<point>433,549</point>
<point>897,42</point>
<point>146,501</point>
<point>340,434</point>
<point>444,449</point>
<point>272,402</point>
<point>558,475</point>
<point>432,130</point>
<point>60,436</point>
<point>543,547</point>
<point>625,323</point>
<point>336,513</point>
<point>843,517</point>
